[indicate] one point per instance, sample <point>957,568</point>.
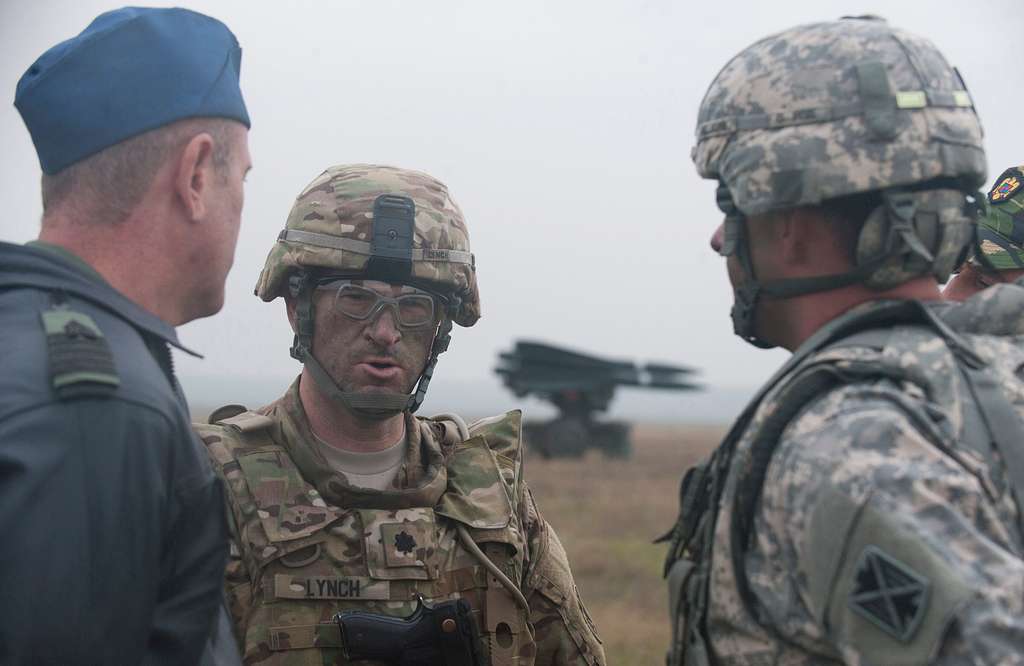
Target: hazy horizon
<point>562,129</point>
<point>478,398</point>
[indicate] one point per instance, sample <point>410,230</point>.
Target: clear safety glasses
<point>411,310</point>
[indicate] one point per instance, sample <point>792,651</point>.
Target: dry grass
<point>607,513</point>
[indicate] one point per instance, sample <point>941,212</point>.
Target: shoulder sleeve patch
<point>1007,185</point>
<point>80,359</point>
<point>888,593</point>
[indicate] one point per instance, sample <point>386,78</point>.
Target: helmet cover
<point>832,109</point>
<point>330,228</point>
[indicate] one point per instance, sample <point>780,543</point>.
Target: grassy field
<point>607,513</point>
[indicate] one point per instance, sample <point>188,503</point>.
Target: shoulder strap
<point>799,392</point>
<point>232,429</point>
<point>80,360</point>
<point>481,481</point>
<point>500,436</point>
<point>260,474</point>
<point>1002,433</point>
<point>246,422</point>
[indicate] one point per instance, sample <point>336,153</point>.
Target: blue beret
<point>131,70</point>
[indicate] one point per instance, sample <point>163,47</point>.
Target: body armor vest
<point>307,549</point>
<point>715,616</point>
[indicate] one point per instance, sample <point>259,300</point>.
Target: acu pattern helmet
<point>830,110</point>
<point>376,223</point>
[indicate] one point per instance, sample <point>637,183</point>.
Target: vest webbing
<point>253,429</point>
<point>991,426</point>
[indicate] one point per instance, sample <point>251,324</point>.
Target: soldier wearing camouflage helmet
<point>998,255</point>
<point>342,500</point>
<point>865,508</point>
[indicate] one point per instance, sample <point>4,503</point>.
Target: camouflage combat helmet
<point>330,228</point>
<point>1001,227</point>
<point>832,110</point>
<point>379,223</point>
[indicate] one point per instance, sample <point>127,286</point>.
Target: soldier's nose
<point>383,329</point>
<point>717,239</point>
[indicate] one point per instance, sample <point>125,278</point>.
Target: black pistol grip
<point>445,634</point>
<point>408,641</point>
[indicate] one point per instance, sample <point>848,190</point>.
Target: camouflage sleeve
<point>237,585</point>
<point>894,547</point>
<point>565,634</point>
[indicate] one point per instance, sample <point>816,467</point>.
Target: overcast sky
<point>563,129</point>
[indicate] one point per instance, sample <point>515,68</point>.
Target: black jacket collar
<point>26,266</point>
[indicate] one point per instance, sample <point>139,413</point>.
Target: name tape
<point>330,587</point>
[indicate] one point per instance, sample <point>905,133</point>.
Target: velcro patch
<point>330,587</point>
<point>401,544</point>
<point>405,543</point>
<point>876,584</point>
<point>80,359</point>
<point>889,594</point>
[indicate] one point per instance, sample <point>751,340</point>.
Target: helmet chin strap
<point>372,405</point>
<point>747,295</point>
<point>376,406</point>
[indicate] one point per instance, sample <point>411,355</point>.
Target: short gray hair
<point>107,186</point>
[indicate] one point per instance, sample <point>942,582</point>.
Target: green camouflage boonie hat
<point>1001,227</point>
<point>329,229</point>
<point>832,109</point>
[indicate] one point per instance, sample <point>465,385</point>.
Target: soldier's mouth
<point>380,368</point>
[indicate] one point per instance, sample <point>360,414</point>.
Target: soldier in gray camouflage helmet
<point>865,506</point>
<point>341,499</point>
<point>998,253</point>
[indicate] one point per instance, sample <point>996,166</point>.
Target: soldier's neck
<point>343,429</point>
<point>798,318</point>
<point>139,267</point>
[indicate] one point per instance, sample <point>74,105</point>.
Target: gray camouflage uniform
<point>862,509</point>
<point>878,463</point>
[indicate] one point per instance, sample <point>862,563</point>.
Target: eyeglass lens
<point>361,303</point>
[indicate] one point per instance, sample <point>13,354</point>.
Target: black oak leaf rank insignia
<point>404,542</point>
<point>889,593</point>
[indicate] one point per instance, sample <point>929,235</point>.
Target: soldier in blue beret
<point>114,536</point>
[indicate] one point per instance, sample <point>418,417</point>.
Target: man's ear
<point>195,175</point>
<point>293,318</point>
